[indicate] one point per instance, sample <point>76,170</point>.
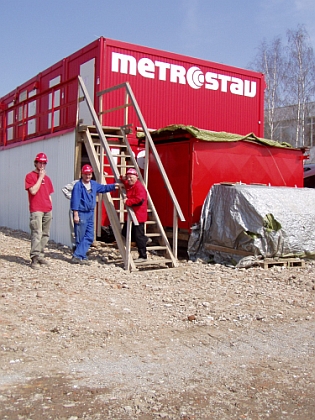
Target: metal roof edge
<point>34,139</point>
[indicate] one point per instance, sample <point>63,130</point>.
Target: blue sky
<point>35,34</point>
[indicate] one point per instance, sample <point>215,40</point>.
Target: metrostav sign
<point>174,73</point>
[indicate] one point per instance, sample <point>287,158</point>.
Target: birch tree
<point>290,85</point>
<point>270,61</point>
<point>300,79</point>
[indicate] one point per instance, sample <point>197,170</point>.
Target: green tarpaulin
<point>215,136</point>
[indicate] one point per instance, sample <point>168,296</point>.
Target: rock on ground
<point>200,341</point>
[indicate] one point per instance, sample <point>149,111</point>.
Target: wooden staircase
<point>111,146</point>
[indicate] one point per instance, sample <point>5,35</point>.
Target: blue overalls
<point>84,202</point>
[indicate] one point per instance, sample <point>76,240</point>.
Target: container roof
<point>215,136</point>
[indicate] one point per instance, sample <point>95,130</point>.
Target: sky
<point>35,34</point>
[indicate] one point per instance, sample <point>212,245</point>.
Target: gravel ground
<point>201,341</point>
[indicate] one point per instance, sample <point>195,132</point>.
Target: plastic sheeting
<point>263,221</point>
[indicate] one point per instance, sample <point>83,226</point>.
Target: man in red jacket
<point>136,197</point>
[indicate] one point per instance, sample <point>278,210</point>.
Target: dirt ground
<point>201,341</point>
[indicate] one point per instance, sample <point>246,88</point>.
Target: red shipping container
<point>193,166</point>
<point>170,89</point>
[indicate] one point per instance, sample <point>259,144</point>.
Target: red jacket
<point>137,199</point>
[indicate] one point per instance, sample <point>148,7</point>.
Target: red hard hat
<point>87,169</point>
<point>41,157</point>
<point>131,171</point>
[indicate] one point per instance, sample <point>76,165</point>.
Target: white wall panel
<point>16,162</point>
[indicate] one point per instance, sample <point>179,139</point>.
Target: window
<point>53,103</point>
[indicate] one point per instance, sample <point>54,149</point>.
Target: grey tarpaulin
<point>264,221</point>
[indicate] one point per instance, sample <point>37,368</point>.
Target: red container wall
<point>176,159</point>
<point>193,167</point>
<point>174,89</point>
<point>68,70</point>
<point>170,89</point>
<point>242,162</point>
<point>55,87</point>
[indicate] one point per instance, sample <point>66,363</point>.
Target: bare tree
<point>300,79</point>
<point>269,60</point>
<point>290,78</point>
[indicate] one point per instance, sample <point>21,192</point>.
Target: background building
<point>299,132</point>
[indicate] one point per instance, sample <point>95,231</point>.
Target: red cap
<point>87,169</point>
<point>131,171</point>
<point>41,157</point>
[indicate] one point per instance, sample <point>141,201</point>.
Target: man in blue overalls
<point>83,201</point>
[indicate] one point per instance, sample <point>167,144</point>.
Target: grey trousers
<point>40,229</point>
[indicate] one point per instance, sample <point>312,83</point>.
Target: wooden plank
<point>175,232</point>
<point>156,247</point>
<point>117,108</point>
<point>153,234</point>
<point>227,250</point>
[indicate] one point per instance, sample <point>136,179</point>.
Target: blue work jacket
<point>82,200</point>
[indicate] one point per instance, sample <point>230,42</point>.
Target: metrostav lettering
<point>194,77</point>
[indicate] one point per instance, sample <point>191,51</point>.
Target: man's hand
<point>76,218</point>
<point>42,173</point>
<point>119,185</point>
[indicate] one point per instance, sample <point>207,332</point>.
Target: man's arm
<point>138,197</point>
<point>34,189</point>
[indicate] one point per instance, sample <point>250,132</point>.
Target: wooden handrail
<point>149,146</point>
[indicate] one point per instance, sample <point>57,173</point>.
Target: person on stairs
<point>39,188</point>
<point>82,204</point>
<point>136,197</point>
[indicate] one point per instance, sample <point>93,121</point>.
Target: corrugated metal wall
<point>16,162</point>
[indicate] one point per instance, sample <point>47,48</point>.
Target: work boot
<point>85,261</point>
<point>42,261</point>
<point>75,260</point>
<point>35,263</point>
<point>140,260</point>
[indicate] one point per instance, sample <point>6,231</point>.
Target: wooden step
<point>117,145</point>
<point>108,137</point>
<point>123,155</point>
<point>119,166</point>
<point>113,145</point>
<point>154,262</point>
<point>156,248</point>
<point>107,130</point>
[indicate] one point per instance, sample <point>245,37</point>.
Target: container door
<point>87,72</point>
